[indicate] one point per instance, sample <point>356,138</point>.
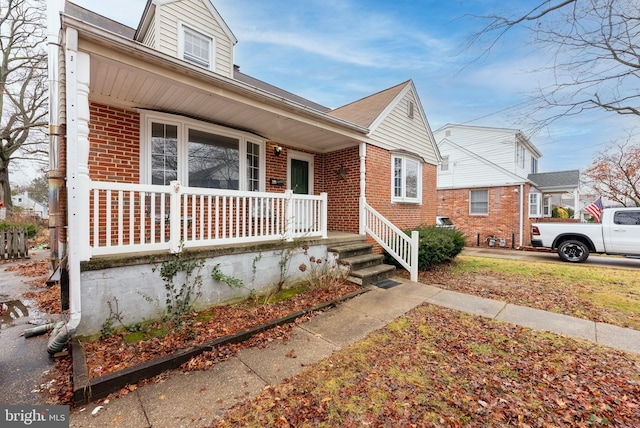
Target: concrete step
<point>363,261</point>
<point>351,250</point>
<point>371,274</point>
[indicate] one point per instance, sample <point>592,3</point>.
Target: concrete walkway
<point>193,399</point>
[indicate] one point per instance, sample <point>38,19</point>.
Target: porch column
<point>576,204</point>
<point>363,187</point>
<point>77,155</point>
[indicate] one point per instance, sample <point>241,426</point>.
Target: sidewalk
<point>194,398</point>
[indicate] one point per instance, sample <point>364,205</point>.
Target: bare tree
<point>615,173</point>
<point>23,86</point>
<point>595,47</point>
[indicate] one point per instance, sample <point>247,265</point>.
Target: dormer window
<point>196,47</point>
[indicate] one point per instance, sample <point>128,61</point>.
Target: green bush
<point>437,245</point>
<point>32,229</point>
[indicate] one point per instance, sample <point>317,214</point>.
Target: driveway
<point>540,256</point>
<point>23,362</point>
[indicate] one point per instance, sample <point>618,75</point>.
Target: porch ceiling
<point>136,84</point>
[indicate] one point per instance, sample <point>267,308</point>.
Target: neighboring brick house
<point>163,145</point>
<point>490,187</point>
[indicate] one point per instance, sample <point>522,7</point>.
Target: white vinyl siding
<point>479,202</point>
<point>483,157</point>
<point>195,15</point>
<point>399,131</point>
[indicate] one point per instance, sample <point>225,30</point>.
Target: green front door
<point>300,176</point>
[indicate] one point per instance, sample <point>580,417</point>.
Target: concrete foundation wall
<point>135,285</point>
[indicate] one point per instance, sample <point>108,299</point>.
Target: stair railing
<point>394,241</point>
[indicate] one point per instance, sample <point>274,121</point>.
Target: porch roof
<point>128,74</point>
<point>556,181</point>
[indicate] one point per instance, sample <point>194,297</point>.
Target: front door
<point>300,176</point>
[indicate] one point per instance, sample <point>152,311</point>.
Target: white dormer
<point>191,30</point>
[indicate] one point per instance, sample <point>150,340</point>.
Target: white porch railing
<point>129,218</point>
<point>402,247</point>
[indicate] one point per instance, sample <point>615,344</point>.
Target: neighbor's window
<point>479,202</point>
<point>535,204</point>
<point>520,155</point>
<point>196,48</point>
<point>444,166</point>
<point>534,165</point>
<point>200,155</point>
<point>407,179</point>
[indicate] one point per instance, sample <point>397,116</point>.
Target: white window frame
<point>547,206</point>
<point>520,154</point>
<point>403,198</point>
<point>444,165</point>
<point>184,124</point>
<point>479,213</point>
<point>181,42</point>
<point>535,205</point>
<point>534,165</point>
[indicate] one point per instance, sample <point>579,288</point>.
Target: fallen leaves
<point>439,367</point>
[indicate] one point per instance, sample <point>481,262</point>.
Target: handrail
<point>401,247</point>
<point>129,217</point>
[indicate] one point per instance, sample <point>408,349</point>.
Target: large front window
<point>200,155</point>
<point>407,179</point>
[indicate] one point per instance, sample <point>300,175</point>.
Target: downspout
<point>363,184</point>
<point>521,214</point>
<point>56,132</point>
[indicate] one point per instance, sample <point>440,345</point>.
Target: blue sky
<point>337,51</point>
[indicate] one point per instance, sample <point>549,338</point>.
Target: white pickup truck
<point>617,233</point>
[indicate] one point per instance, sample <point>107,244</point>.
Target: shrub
<point>437,245</point>
<point>31,228</point>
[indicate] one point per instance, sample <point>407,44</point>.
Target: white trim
<point>182,27</point>
<point>482,213</point>
<point>184,124</point>
<point>537,204</point>
<point>308,157</point>
<point>404,199</point>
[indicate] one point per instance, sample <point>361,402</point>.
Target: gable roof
<point>98,20</point>
<point>557,179</point>
<point>150,10</point>
<point>366,110</point>
<point>512,131</point>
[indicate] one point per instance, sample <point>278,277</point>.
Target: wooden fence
<point>15,242</point>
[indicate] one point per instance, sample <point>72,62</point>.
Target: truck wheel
<point>573,251</point>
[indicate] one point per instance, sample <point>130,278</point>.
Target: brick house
<point>160,146</point>
<point>490,187</point>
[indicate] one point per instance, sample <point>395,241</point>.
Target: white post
<point>323,215</point>
<point>290,217</point>
<point>576,204</point>
<point>415,244</point>
<point>174,218</point>
<point>363,188</point>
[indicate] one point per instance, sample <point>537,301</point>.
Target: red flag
<point>595,209</point>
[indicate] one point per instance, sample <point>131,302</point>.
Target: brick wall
<point>343,190</point>
<point>114,138</point>
<point>379,192</point>
<point>502,221</point>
